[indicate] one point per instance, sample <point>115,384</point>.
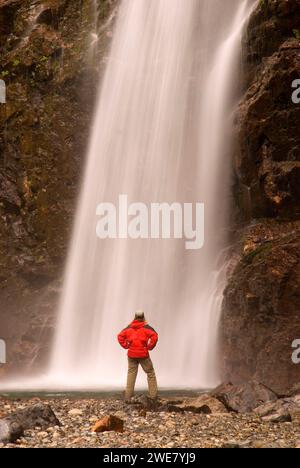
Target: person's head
<point>139,315</point>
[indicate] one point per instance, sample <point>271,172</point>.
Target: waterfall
<point>162,132</point>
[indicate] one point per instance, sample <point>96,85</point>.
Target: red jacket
<point>139,338</point>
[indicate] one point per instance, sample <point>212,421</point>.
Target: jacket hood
<point>137,324</point>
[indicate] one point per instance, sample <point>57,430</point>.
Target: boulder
<point>283,410</point>
<point>109,423</point>
<point>245,397</point>
<point>280,416</point>
<point>205,404</point>
<point>39,415</point>
<point>147,403</point>
<point>10,431</point>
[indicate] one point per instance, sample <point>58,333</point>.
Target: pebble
<point>42,434</point>
<point>75,412</point>
<point>161,430</point>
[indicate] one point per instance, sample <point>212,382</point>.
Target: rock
<point>243,398</point>
<point>267,159</point>
<point>109,423</point>
<point>160,429</point>
<point>205,404</point>
<point>296,416</point>
<point>234,444</point>
<point>78,440</point>
<point>10,431</point>
<point>194,422</point>
<point>258,444</point>
<point>280,417</point>
<point>75,412</point>
<point>261,306</point>
<point>295,390</point>
<point>93,419</point>
<point>43,138</point>
<point>119,414</point>
<point>146,402</point>
<point>43,434</point>
<point>39,415</point>
<point>9,195</point>
<point>283,410</point>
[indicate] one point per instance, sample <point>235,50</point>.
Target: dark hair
<point>139,315</point>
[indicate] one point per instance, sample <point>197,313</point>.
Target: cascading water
<point>161,133</point>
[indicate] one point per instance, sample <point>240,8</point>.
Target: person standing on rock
<point>139,338</point>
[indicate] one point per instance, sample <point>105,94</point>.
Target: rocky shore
<point>203,421</point>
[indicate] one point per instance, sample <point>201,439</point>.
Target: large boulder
<point>245,397</point>
<point>10,431</point>
<point>39,415</point>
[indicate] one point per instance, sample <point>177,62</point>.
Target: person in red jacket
<point>139,338</point>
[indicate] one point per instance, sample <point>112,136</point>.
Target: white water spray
<point>161,133</point>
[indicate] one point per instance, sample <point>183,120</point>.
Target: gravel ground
<point>150,430</point>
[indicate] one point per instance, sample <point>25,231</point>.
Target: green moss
<point>264,3</point>
<point>260,251</point>
<point>296,33</point>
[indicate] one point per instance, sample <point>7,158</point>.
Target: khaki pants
<point>147,366</point>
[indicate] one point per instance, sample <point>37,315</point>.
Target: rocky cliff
<point>261,310</point>
<point>50,63</point>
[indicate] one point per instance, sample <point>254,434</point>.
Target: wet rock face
<point>268,161</point>
<point>51,83</point>
<point>261,307</point>
<point>261,311</point>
